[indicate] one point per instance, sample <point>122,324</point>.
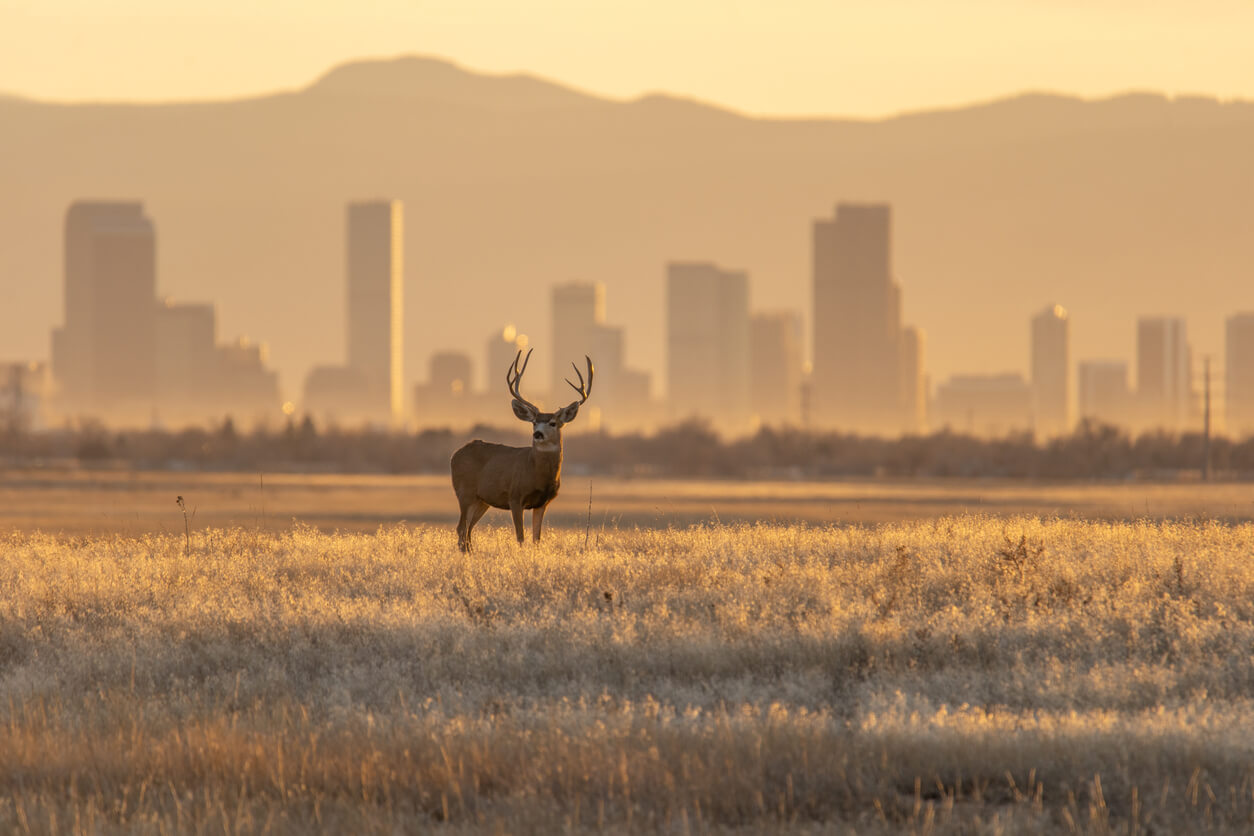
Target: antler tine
<point>513,375</point>
<point>583,392</point>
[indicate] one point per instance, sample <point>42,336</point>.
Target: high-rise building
<point>913,380</point>
<point>775,367</point>
<point>1239,375</point>
<point>707,343</point>
<point>503,347</point>
<point>376,302</point>
<point>187,368</point>
<point>579,330</point>
<point>991,405</point>
<point>1164,385</point>
<point>578,311</point>
<point>1104,394</point>
<point>446,398</point>
<point>1051,372</point>
<point>104,355</point>
<point>858,379</point>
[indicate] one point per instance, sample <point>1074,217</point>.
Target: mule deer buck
<point>516,478</point>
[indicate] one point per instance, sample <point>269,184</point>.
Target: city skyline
<point>728,364</point>
<point>983,229</point>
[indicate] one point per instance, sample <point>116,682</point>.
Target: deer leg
<point>537,516</point>
<point>471,514</point>
<point>516,509</point>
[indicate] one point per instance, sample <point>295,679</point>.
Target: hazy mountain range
<point>1133,205</point>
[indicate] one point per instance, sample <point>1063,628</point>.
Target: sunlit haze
<point>799,57</point>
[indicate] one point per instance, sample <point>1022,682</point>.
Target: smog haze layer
<point>1131,205</point>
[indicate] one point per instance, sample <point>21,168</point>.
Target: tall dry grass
<point>962,675</point>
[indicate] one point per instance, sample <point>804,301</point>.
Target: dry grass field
<point>960,674</point>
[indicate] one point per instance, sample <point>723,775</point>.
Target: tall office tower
<point>1239,375</point>
<point>578,311</point>
<point>775,367</point>
<point>1051,372</point>
<point>707,343</point>
<point>1164,386</point>
<point>1104,394</point>
<point>503,347</point>
<point>989,405</point>
<point>579,330</point>
<point>376,302</point>
<point>104,354</point>
<point>187,378</point>
<point>857,322</point>
<point>913,396</point>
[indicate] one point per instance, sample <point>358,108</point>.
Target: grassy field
<point>969,674</point>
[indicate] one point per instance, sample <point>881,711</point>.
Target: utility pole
<point>1206,419</point>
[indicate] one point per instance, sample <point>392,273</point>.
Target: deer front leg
<point>516,509</point>
<point>537,516</point>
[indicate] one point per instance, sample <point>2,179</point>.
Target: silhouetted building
<point>775,367</point>
<point>992,405</point>
<point>858,378</point>
<point>913,380</point>
<point>1104,394</point>
<point>446,398</point>
<point>376,304</point>
<point>1239,375</point>
<point>503,347</point>
<point>24,389</point>
<point>187,367</point>
<point>103,356</point>
<point>1051,372</point>
<point>578,312</point>
<point>707,343</point>
<point>1164,386</point>
<point>331,391</point>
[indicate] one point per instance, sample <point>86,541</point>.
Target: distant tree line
<point>691,449</point>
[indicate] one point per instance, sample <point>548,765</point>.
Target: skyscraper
<point>857,381</point>
<point>913,380</point>
<point>1239,374</point>
<point>707,343</point>
<point>376,302</point>
<point>578,311</point>
<point>775,367</point>
<point>104,355</point>
<point>1104,394</point>
<point>1164,386</point>
<point>1051,372</point>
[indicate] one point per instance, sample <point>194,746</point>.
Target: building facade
<point>1239,375</point>
<point>103,357</point>
<point>375,266</point>
<point>1051,372</point>
<point>707,344</point>
<point>1164,385</point>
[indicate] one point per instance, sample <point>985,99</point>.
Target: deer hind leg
<point>537,516</point>
<point>472,512</point>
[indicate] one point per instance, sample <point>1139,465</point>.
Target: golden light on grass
<point>952,675</point>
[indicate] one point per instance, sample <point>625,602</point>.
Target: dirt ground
<point>138,502</point>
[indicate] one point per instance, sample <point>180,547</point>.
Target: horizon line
<point>643,96</point>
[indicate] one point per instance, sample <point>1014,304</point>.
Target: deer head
<point>546,427</point>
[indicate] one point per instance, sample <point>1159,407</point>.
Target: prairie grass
<point>961,675</point>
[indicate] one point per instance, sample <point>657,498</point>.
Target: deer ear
<point>525,412</point>
<point>567,413</point>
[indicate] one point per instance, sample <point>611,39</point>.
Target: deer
<point>516,479</point>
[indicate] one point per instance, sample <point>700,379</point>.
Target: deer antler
<point>513,375</point>
<point>583,392</point>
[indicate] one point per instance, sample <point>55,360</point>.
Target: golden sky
<point>788,57</point>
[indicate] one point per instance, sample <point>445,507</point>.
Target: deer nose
<point>537,435</point>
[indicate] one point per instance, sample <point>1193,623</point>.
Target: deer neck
<point>547,460</point>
